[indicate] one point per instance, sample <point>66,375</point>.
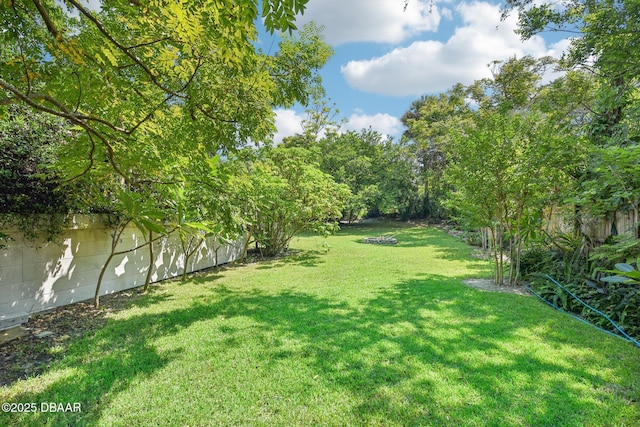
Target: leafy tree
<point>353,158</point>
<point>28,182</point>
<point>116,72</point>
<point>607,48</point>
<point>428,121</point>
<point>31,196</point>
<point>510,159</point>
<point>283,193</point>
<point>379,172</point>
<point>132,207</point>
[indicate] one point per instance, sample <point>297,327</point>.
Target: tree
<point>132,207</point>
<point>607,48</point>
<point>31,196</point>
<point>511,158</point>
<point>117,71</point>
<point>28,181</point>
<point>283,193</point>
<point>353,158</point>
<point>428,121</point>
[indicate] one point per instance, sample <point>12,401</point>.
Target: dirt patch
<point>46,336</point>
<point>490,285</point>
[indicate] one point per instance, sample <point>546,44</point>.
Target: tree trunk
<point>115,238</point>
<point>96,297</point>
<point>636,219</point>
<point>215,252</point>
<point>147,279</point>
<point>496,243</point>
<point>245,246</point>
<point>500,259</point>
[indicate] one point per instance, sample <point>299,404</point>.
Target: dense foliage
<point>281,192</point>
<point>505,153</point>
<point>379,172</point>
<point>149,96</point>
<point>28,181</point>
<point>118,70</point>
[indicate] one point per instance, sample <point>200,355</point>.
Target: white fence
<point>33,279</point>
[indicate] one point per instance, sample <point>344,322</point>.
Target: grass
<point>350,334</point>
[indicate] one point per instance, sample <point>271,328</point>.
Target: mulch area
<point>47,335</point>
<point>490,285</point>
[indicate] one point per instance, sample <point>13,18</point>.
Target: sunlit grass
<point>344,334</point>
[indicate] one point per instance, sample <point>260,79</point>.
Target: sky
<point>386,57</point>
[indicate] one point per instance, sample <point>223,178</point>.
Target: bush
<point>619,301</point>
<point>566,258</point>
<point>28,144</point>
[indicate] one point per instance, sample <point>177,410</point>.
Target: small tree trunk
<point>495,252</point>
<point>115,238</point>
<point>500,245</point>
<point>636,219</point>
<point>518,256</point>
<point>245,247</point>
<point>147,280</point>
<point>191,249</point>
<point>96,297</point>
<point>186,248</point>
<point>215,253</point>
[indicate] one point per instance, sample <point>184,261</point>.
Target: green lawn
<point>342,333</point>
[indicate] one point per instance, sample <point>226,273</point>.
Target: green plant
<point>624,273</point>
<point>283,193</point>
<point>624,248</point>
<point>117,71</point>
<point>32,200</point>
<point>617,296</point>
<point>3,239</point>
<point>133,208</point>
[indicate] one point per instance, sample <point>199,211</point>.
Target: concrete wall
<point>34,278</point>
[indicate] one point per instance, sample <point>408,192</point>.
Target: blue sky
<point>386,57</point>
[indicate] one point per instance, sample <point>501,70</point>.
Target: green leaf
<point>624,267</point>
<point>151,226</point>
<point>635,274</point>
<point>616,279</point>
<point>199,226</point>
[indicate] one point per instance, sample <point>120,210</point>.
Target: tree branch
<point>148,43</point>
<point>124,49</point>
<point>47,19</point>
<point>77,119</point>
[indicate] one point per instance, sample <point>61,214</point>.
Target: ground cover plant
<point>340,333</point>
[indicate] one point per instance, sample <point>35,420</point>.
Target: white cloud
<point>432,66</point>
<point>288,123</point>
<point>380,21</point>
<point>384,124</point>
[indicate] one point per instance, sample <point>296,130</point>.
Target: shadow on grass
<point>419,336</point>
<point>308,258</point>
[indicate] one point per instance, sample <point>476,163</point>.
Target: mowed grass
<point>350,334</point>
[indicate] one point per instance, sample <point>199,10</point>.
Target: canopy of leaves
<point>282,193</point>
<point>118,72</point>
<point>379,172</point>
